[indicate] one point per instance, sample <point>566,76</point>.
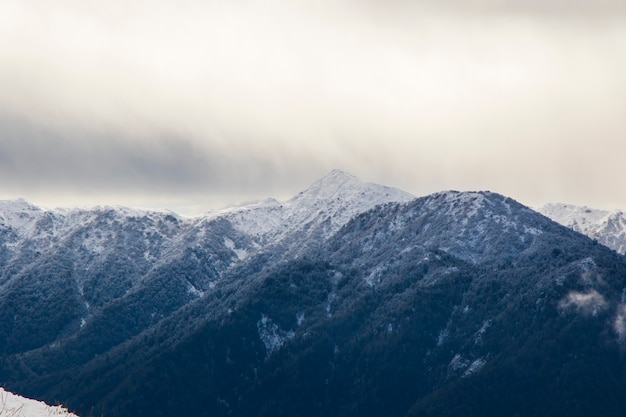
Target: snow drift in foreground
<point>12,405</point>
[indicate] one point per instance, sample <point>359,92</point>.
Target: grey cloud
<point>83,161</point>
<point>259,98</point>
<point>40,157</point>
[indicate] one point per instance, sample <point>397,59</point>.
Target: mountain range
<point>350,299</point>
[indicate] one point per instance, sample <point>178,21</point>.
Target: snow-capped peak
<point>608,227</point>
<point>340,196</point>
<point>331,184</point>
<point>322,209</point>
<point>335,199</point>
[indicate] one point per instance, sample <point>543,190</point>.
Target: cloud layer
<point>207,101</point>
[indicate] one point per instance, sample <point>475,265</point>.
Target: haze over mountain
<point>350,299</point>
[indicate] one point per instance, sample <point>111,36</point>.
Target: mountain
<point>72,273</point>
<point>15,406</point>
<point>320,210</point>
<point>350,299</point>
<point>607,227</point>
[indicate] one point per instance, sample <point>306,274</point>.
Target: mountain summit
<point>322,209</point>
<point>341,196</point>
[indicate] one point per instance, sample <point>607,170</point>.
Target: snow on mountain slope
<point>12,405</point>
<point>93,257</point>
<point>334,200</point>
<point>41,228</point>
<point>473,226</point>
<point>607,227</point>
<point>19,215</point>
<point>340,196</point>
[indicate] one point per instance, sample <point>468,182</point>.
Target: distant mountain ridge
<point>75,265</point>
<point>607,227</point>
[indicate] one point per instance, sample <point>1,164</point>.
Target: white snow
<point>240,253</point>
<point>272,336</point>
<point>443,335</point>
<point>20,215</point>
<point>322,209</point>
<point>330,203</point>
<point>476,366</point>
<point>195,291</point>
<point>331,297</point>
<point>458,363</point>
<point>478,336</point>
<point>608,227</point>
<point>12,405</point>
<point>375,276</point>
<point>95,244</point>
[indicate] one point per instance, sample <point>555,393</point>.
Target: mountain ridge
<point>399,308</point>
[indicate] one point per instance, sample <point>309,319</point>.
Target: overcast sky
<point>191,105</point>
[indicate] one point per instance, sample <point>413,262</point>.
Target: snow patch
<point>240,253</point>
<point>443,335</point>
<point>12,405</point>
<point>475,366</point>
<point>587,264</point>
<point>20,215</point>
<point>329,301</point>
<point>272,336</point>
<point>445,332</point>
<point>532,231</point>
<point>607,227</point>
<point>195,291</point>
<point>478,337</point>
<point>94,244</point>
<point>458,363</point>
<point>375,276</point>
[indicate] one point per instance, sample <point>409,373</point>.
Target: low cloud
<point>589,303</point>
<point>619,324</point>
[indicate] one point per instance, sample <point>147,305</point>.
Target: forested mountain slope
<point>454,304</point>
